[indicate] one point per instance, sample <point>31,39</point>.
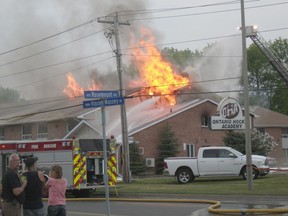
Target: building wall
<point>56,130</point>
<point>187,129</point>
<point>88,133</point>
<point>12,132</point>
<point>278,150</point>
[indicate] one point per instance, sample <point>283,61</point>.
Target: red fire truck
<point>82,161</point>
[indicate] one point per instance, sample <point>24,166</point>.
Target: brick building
<point>276,125</point>
<point>59,118</point>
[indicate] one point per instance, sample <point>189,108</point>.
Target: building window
<point>141,150</point>
<point>2,137</point>
<point>204,121</point>
<point>42,130</point>
<point>190,149</point>
<point>27,132</point>
<point>284,132</point>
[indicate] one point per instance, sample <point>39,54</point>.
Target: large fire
<point>73,89</point>
<point>155,71</point>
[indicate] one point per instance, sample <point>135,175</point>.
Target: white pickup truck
<point>214,161</point>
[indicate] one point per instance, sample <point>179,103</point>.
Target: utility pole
<point>246,102</point>
<point>117,51</point>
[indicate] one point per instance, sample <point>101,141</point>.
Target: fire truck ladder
<point>270,54</point>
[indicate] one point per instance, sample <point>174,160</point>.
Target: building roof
<point>144,111</point>
<point>48,109</point>
<point>267,118</point>
<point>141,112</point>
<point>140,115</point>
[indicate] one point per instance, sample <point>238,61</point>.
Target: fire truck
<point>82,161</point>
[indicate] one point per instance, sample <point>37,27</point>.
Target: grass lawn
<point>271,184</point>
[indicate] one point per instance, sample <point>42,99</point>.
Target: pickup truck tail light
<point>165,165</point>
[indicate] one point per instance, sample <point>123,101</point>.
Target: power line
<point>158,45</point>
<point>90,21</point>
<point>150,11</point>
<point>278,29</point>
<point>51,36</point>
<point>130,89</point>
<point>95,19</point>
<point>203,39</point>
<point>137,12</point>
<point>188,41</point>
<point>206,56</point>
<point>129,48</point>
<point>189,83</point>
<point>72,71</point>
<point>36,103</point>
<point>44,111</point>
<point>130,97</point>
<point>209,12</point>
<point>179,42</point>
<point>47,50</point>
<point>52,65</point>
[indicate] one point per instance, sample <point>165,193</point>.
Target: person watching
<point>56,187</point>
<point>33,204</point>
<point>13,188</point>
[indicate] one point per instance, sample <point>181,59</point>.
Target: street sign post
<point>103,99</point>
<point>101,94</point>
<point>103,102</point>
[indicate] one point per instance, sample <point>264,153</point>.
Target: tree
<point>8,95</point>
<point>167,148</point>
<point>261,143</point>
<point>137,164</point>
<point>260,75</point>
<point>235,140</point>
<point>181,58</point>
<point>279,101</point>
<point>267,88</point>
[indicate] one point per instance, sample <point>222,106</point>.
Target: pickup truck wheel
<point>185,176</point>
<point>255,173</point>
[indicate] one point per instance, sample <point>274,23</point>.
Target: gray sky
<point>39,69</point>
<point>219,20</point>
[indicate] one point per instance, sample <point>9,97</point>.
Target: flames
<point>73,89</point>
<point>157,73</point>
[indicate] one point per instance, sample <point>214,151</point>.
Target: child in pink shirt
<point>56,187</point>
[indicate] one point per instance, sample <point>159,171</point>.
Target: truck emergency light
<point>11,146</point>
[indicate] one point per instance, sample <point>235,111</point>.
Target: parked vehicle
<point>82,161</point>
<point>214,161</point>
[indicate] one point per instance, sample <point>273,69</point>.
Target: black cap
<point>30,161</point>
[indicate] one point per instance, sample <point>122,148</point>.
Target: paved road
<point>98,208</point>
<point>230,202</point>
<point>118,208</point>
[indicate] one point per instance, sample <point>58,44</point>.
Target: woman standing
<point>56,187</point>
